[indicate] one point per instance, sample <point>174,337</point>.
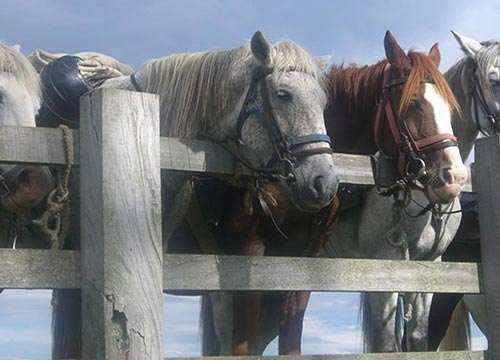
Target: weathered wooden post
<point>121,226</point>
<point>487,181</point>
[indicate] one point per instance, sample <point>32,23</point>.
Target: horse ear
<point>435,55</point>
<point>261,49</point>
<point>17,47</point>
<point>469,46</point>
<point>395,55</point>
<point>323,61</point>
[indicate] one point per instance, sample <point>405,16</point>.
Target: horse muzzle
<point>447,185</point>
<point>315,182</point>
<point>27,188</point>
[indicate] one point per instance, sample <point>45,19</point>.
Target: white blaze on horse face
<point>442,117</point>
<point>17,107</point>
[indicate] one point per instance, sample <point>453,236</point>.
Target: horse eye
<point>284,95</point>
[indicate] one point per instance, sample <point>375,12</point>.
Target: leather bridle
<point>411,165</point>
<point>479,99</point>
<point>286,149</point>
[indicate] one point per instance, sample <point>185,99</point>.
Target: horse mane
<point>15,63</point>
<point>423,67</point>
<point>363,85</point>
<point>196,89</point>
<point>465,68</point>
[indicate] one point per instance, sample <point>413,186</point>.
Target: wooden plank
<point>212,272</point>
<point>39,269</point>
<point>34,145</point>
<point>43,269</point>
<point>121,226</point>
<point>44,146</point>
<point>444,355</point>
<point>488,173</point>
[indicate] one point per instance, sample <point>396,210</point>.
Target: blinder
<point>286,149</point>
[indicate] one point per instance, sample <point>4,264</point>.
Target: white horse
<point>475,81</point>
<point>207,94</point>
<point>21,187</point>
<point>266,100</point>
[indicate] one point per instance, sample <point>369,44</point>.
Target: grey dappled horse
<point>475,81</point>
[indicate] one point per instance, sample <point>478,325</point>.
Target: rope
<point>55,221</point>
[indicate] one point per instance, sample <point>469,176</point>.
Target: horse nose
<point>449,177</point>
<point>318,186</point>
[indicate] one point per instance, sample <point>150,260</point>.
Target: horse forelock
<point>422,67</point>
<point>196,89</point>
<point>15,63</point>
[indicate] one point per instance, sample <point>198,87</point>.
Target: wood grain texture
<point>43,269</point>
<point>44,146</point>
<point>211,272</point>
<point>39,269</point>
<point>488,173</point>
<point>121,256</point>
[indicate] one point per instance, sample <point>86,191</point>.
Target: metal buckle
<point>415,168</point>
<point>285,169</point>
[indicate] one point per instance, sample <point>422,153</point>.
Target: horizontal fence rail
<point>44,146</point>
<point>445,355</point>
<point>51,269</point>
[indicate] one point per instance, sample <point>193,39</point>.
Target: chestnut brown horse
<point>407,104</point>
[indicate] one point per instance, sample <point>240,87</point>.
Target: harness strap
<point>427,142</point>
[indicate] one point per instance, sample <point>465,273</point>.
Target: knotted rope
<point>55,221</point>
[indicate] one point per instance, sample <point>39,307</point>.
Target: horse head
<point>483,62</point>
<point>21,187</point>
<point>416,128</point>
<point>282,125</point>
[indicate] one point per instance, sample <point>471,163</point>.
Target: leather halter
<point>411,164</point>
<point>480,102</point>
<point>286,149</point>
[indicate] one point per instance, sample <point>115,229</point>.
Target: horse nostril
<point>319,186</point>
<point>448,176</point>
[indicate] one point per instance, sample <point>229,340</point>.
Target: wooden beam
<point>44,146</point>
<point>212,272</point>
<point>487,181</point>
<point>39,269</point>
<point>444,355</point>
<point>121,258</point>
<point>44,269</point>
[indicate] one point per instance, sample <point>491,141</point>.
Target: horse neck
<point>350,116</point>
<point>464,125</point>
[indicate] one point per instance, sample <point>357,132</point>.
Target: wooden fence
<point>122,271</point>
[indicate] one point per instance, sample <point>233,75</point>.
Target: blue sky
<point>134,31</point>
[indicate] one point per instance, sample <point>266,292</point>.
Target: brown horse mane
<point>363,85</point>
